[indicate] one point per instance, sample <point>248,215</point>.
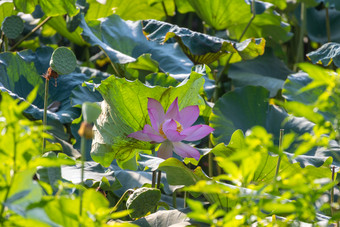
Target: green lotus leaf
<point>266,70</point>
<point>123,42</point>
<point>326,54</point>
<point>246,107</point>
<point>316,21</point>
<point>130,9</point>
<point>142,201</point>
<point>222,14</point>
<point>12,26</point>
<point>201,48</point>
<point>55,8</point>
<point>124,110</point>
<point>6,10</point>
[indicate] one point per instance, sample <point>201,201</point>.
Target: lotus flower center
<point>178,129</point>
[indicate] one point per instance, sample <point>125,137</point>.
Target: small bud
<point>85,130</point>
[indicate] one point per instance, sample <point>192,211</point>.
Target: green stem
<point>30,33</point>
<point>112,64</point>
<point>174,199</point>
<point>280,153</point>
<point>120,200</point>
<point>210,162</point>
<point>328,26</point>
<point>300,49</point>
<point>186,195</point>
<point>332,192</point>
<point>159,179</point>
<point>82,149</point>
<point>153,183</point>
<point>45,112</point>
<point>165,12</point>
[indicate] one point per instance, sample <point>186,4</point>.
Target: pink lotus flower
<point>171,128</point>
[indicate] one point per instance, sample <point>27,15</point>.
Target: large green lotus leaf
<point>124,41</point>
<point>129,9</point>
<point>316,25</point>
<point>124,110</point>
<point>246,107</point>
<point>234,15</point>
<point>201,48</point>
<point>266,70</point>
<point>6,10</point>
<point>50,8</point>
<point>326,54</point>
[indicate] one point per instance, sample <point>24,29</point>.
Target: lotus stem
<point>153,183</point>
<point>82,149</point>
<point>332,192</point>
<point>328,26</point>
<point>300,50</point>
<point>280,153</point>
<point>45,112</point>
<point>121,200</point>
<point>30,33</point>
<point>174,199</point>
<point>210,164</point>
<point>159,179</point>
<point>165,12</point>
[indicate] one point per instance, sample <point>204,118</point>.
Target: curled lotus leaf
<point>201,48</point>
<point>326,54</point>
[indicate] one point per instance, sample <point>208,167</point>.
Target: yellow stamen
<point>178,129</point>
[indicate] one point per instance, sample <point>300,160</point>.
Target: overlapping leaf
<point>201,48</point>
<point>124,110</point>
<point>123,41</point>
<point>234,15</point>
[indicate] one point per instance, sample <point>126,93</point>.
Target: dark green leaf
<point>201,48</point>
<point>326,54</point>
<point>126,42</point>
<point>249,106</point>
<point>266,70</point>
